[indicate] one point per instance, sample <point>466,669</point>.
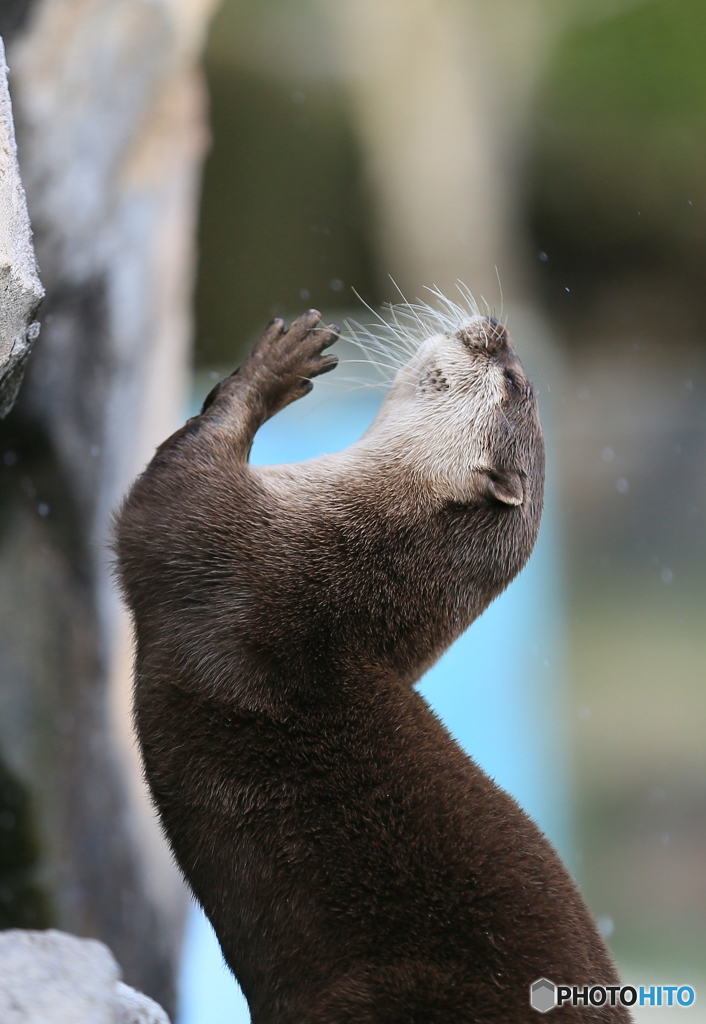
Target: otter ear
<point>503,485</point>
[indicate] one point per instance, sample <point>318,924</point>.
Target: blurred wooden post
<point>443,95</point>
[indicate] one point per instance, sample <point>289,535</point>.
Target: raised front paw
<point>293,356</point>
<point>284,360</point>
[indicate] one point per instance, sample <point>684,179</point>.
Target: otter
<point>355,863</point>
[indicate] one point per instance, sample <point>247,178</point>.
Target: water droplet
<point>666,575</point>
<point>621,485</point>
<point>607,454</point>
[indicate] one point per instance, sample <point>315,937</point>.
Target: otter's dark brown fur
<point>356,865</point>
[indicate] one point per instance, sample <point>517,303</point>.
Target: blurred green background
<point>609,185</point>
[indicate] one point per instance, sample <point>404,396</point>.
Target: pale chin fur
<point>439,434</point>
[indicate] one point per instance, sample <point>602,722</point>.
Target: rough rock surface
<point>20,288</point>
<point>109,113</point>
<point>54,978</point>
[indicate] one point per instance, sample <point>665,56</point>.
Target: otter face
<point>462,415</point>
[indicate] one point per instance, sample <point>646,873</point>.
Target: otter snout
<point>484,332</point>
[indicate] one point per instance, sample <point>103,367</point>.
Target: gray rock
<point>136,1008</point>
<point>20,288</point>
<point>53,978</point>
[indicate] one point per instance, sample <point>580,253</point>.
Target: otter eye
<point>511,378</point>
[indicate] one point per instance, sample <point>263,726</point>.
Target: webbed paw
<point>293,355</point>
<point>284,360</point>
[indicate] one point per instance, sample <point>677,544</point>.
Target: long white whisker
<point>371,362</point>
<point>502,299</point>
<point>375,341</point>
<point>369,307</point>
<point>405,305</point>
<point>399,330</point>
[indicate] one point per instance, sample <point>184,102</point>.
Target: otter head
<point>461,416</point>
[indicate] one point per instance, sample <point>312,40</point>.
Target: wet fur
<point>356,865</point>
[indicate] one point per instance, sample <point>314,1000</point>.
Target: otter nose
<point>485,332</point>
<point>498,336</point>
